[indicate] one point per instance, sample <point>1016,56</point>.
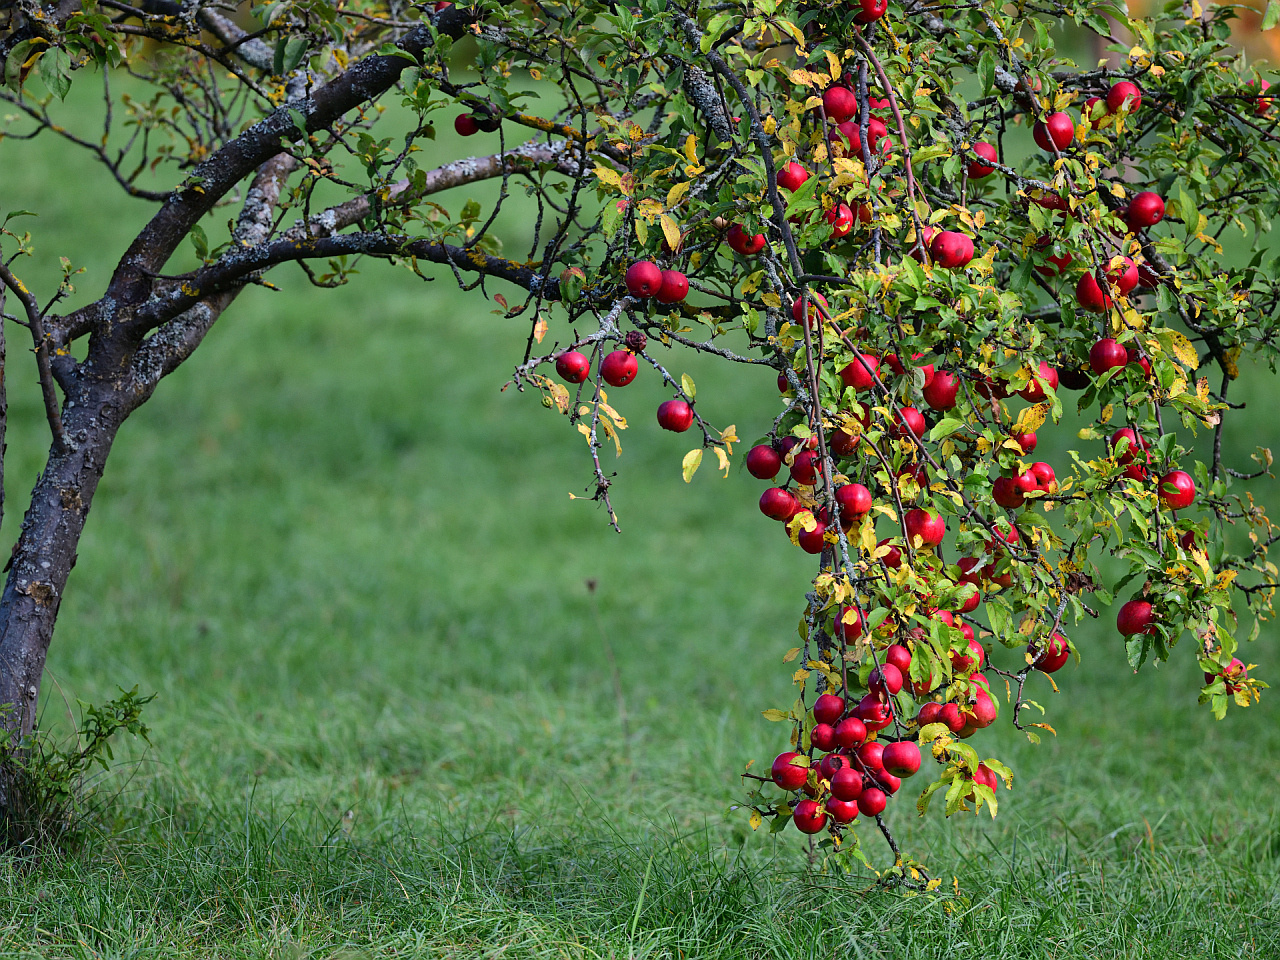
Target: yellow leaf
<point>834,62</point>
<point>770,124</point>
<point>608,175</point>
<point>756,820</point>
<point>618,418</point>
<point>686,384</point>
<point>772,300</point>
<point>776,716</point>
<point>729,434</point>
<point>539,329</point>
<point>801,78</point>
<point>675,194</point>
<point>691,148</point>
<point>671,230</point>
<point>791,654</point>
<point>1031,419</point>
<point>689,466</point>
<point>724,460</point>
<point>1183,350</point>
<point>800,676</point>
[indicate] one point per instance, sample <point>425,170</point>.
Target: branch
<point>35,322</point>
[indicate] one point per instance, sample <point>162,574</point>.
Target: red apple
<point>1053,656</point>
<point>885,680</point>
<point>983,712</point>
<point>892,559</point>
<point>871,11</point>
<point>875,714</point>
<point>872,756</point>
<point>846,784</point>
<point>643,279</point>
<point>1090,296</point>
<point>1059,262</point>
<point>950,715</point>
<point>986,777</point>
<point>850,623</point>
<point>900,657</point>
<point>817,309</point>
<point>951,249</point>
<point>779,504</point>
<point>675,415</point>
<point>929,527</point>
<point>1033,391</point>
<point>941,393</point>
<point>850,732</point>
<point>839,103</point>
<point>1136,445</point>
<point>1145,210</point>
<point>929,714</point>
<point>739,242</point>
<point>674,288</point>
<point>1122,273</point>
<point>466,124</point>
<point>970,660</point>
<point>763,462</point>
<point>872,802</point>
<point>813,541</point>
<point>804,468</point>
<point>1057,130</point>
<point>788,775</point>
<point>841,220</point>
<point>573,366</point>
<point>854,500</point>
<point>1177,490</point>
<point>1124,94</point>
<point>619,368</point>
<point>909,420</point>
<point>1045,477</point>
<point>792,175</point>
<point>823,737</point>
<point>1027,441</point>
<point>861,373</point>
<point>828,708</point>
<point>977,169</point>
<point>843,811</point>
<point>1135,618</point>
<point>1106,354</point>
<point>902,759</point>
<point>809,816</point>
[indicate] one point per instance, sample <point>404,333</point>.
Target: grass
<point>386,723</point>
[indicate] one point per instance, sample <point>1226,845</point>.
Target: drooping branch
<point>35,323</point>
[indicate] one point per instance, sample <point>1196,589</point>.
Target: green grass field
<point>350,568</point>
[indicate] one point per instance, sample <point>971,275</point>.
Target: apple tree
<point>934,227</point>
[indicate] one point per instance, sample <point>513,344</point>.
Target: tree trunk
<point>46,551</point>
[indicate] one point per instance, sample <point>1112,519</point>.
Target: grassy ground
<point>386,724</point>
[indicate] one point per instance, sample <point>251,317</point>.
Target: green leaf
<point>1272,16</point>
<point>54,68</point>
<point>945,428</point>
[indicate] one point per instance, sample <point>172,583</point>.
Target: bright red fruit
<point>899,656</point>
<point>573,366</point>
<point>872,756</point>
<point>1059,262</point>
<point>1090,296</point>
<point>1058,130</point>
<point>828,708</point>
<point>823,737</point>
<point>842,811</point>
<point>779,504</point>
<point>892,559</point>
<point>1033,391</point>
<point>839,103</point>
<point>852,628</point>
<point>885,680</point>
<point>929,527</point>
<point>675,415</point>
<point>897,366</point>
<point>970,660</point>
<point>1263,106</point>
<point>985,776</point>
<point>841,220</point>
<point>831,764</point>
<point>739,242</point>
<point>941,393</point>
<point>978,169</point>
<point>1027,441</point>
<point>983,713</point>
<point>804,468</point>
<point>619,368</point>
<point>763,462</point>
<point>909,420</point>
<point>1122,273</point>
<point>850,732</point>
<point>817,309</point>
<point>1007,493</point>
<point>786,774</point>
<point>1053,657</point>
<point>872,802</point>
<point>1045,477</point>
<point>846,785</point>
<point>466,124</point>
<point>1177,490</point>
<point>1136,617</point>
<point>951,249</point>
<point>874,713</point>
<point>1145,210</point>
<point>929,714</point>
<point>792,175</point>
<point>644,279</point>
<point>950,715</point>
<point>861,373</point>
<point>674,287</point>
<point>815,540</point>
<point>1106,354</point>
<point>1136,445</point>
<point>873,10</point>
<point>809,816</point>
<point>1124,94</point>
<point>854,500</point>
<point>902,759</point>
